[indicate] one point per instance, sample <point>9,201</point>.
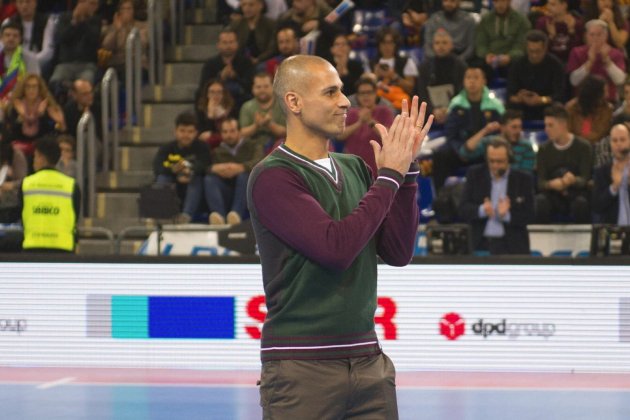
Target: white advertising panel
<point>207,316</point>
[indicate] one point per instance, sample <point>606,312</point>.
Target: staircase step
<point>137,158</point>
<point>120,226</point>
<point>175,93</point>
<point>182,73</point>
<point>204,34</point>
<point>199,16</point>
<point>117,204</point>
<point>148,135</point>
<point>199,53</point>
<point>124,179</point>
<point>163,115</point>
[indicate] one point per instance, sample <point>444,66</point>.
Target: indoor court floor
<point>153,394</point>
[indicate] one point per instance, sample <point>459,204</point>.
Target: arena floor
<point>138,394</point>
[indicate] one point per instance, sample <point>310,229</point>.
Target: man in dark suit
<point>610,191</point>
<point>498,202</point>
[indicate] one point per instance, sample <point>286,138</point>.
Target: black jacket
<point>605,205</point>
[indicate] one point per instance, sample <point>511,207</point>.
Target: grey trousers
<point>356,388</point>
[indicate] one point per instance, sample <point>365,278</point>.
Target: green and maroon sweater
<point>319,233</point>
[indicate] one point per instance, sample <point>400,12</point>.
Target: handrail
<point>177,22</point>
<point>156,41</point>
<point>109,102</point>
<point>87,160</point>
<point>133,77</point>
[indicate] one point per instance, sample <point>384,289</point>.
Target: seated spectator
<point>15,62</point>
<point>564,168</point>
<point>597,58</point>
<point>414,15</point>
<point>349,70</point>
<point>498,202</point>
<point>38,33</point>
<point>440,76</point>
<point>81,100</point>
<point>67,163</point>
<point>500,36</point>
<point>255,31</point>
<point>13,168</point>
<point>225,185</point>
<point>468,113</point>
<point>261,119</point>
<point>611,189</point>
<point>622,113</point>
<point>183,162</point>
<point>77,39</point>
<point>565,30</point>
<point>361,122</point>
<point>115,38</point>
<point>589,113</point>
<point>305,16</point>
<point>535,80</point>
<point>397,75</point>
<point>610,12</point>
<point>511,123</point>
<point>459,24</point>
<point>287,44</point>
<point>213,108</point>
<point>32,113</point>
<point>229,66</point>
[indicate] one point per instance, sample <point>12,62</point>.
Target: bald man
<point>610,191</point>
<point>320,220</point>
<point>81,100</point>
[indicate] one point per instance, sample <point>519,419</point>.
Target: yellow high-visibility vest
<point>48,213</point>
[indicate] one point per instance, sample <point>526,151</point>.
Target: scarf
<point>9,77</point>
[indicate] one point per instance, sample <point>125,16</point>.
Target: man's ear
<point>293,102</point>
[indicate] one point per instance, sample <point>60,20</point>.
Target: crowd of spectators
<point>554,69</point>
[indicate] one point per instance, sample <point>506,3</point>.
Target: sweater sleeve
<point>284,204</point>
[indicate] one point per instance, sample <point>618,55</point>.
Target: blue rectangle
<point>191,317</point>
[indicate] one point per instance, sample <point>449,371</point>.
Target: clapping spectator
<point>349,70</point>
<point>610,12</point>
<point>15,62</point>
<point>287,44</point>
<point>565,30</point>
<point>67,163</point>
<point>458,23</point>
<point>32,113</point>
<point>255,31</point>
<point>212,108</point>
<point>597,57</point>
<point>361,122</point>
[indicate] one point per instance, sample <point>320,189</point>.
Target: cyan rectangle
<point>130,317</point>
<point>191,317</point>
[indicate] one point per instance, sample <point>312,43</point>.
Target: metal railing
<point>86,158</point>
<point>110,109</point>
<point>156,41</point>
<point>133,78</point>
<point>177,22</point>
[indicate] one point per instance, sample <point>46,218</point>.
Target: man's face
<point>230,134</point>
<point>227,44</point>
<point>26,8</point>
<point>556,7</point>
<point>126,12</point>
<point>512,129</point>
<point>474,81</point>
<point>287,42</point>
<point>619,141</point>
<point>450,6</point>
<point>366,95</point>
<point>555,128</point>
<point>11,39</point>
<point>498,161</point>
<point>442,45</point>
<point>185,135</point>
<point>262,89</point>
<point>324,107</point>
<point>596,36</point>
<point>84,94</point>
<point>501,7</point>
<point>251,8</point>
<point>535,52</point>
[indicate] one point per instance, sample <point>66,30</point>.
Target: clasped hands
<point>402,142</point>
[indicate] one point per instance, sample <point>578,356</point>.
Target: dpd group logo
<point>452,326</point>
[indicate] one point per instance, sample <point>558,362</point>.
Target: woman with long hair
<point>589,113</point>
<point>32,113</point>
<point>212,108</point>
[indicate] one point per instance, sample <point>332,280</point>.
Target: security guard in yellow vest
<point>50,203</point>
